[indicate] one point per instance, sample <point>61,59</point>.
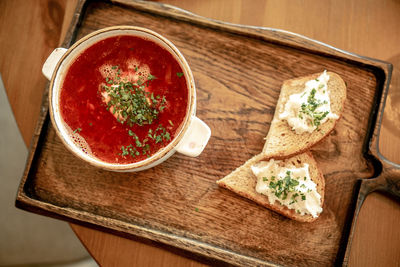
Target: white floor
<point>27,239</point>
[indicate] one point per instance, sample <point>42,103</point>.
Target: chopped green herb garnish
<point>167,136</point>
<point>133,105</point>
<point>310,107</point>
<point>129,150</point>
<point>158,139</point>
<point>151,77</point>
<point>77,130</point>
<point>282,187</point>
<point>138,143</point>
<point>265,179</point>
<point>146,149</point>
<point>131,101</point>
<point>179,74</point>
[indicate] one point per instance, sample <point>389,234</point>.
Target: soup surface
<point>123,99</point>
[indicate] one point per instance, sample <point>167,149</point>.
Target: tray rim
<point>190,245</point>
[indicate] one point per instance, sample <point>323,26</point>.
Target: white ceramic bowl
<point>193,134</point>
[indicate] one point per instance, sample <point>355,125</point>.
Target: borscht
<point>123,99</point>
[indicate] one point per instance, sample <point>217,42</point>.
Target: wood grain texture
<point>132,253</point>
<point>187,209</point>
<point>16,61</point>
<point>375,230</point>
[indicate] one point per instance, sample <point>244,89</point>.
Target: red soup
<point>123,99</point>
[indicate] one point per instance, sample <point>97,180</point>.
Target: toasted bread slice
<point>243,182</point>
<point>281,141</point>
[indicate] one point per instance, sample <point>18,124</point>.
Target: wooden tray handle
<point>388,181</point>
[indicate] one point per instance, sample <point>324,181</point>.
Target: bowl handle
<point>195,139</point>
<point>51,62</point>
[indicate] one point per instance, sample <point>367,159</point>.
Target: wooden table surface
<point>29,30</point>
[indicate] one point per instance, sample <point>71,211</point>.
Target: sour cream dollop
<point>310,108</point>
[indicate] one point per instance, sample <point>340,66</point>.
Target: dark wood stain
<point>238,72</point>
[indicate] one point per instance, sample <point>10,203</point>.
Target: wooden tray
<point>238,71</point>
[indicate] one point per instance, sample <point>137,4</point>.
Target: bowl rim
<point>160,154</point>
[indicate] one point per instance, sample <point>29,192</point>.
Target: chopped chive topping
<point>286,186</point>
<point>282,187</point>
<point>179,74</point>
<point>310,107</point>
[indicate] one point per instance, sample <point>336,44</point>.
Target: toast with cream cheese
<point>244,182</point>
<point>311,118</point>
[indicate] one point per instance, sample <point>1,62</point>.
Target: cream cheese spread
<point>310,108</point>
<point>290,186</point>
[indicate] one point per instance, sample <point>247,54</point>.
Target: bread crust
<point>243,182</point>
<point>282,142</point>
